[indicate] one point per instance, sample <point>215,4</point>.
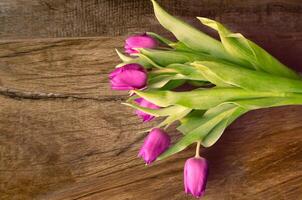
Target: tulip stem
<point>197,155</point>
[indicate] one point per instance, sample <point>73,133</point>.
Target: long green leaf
<point>123,57</point>
<point>173,84</point>
<point>167,57</point>
<point>173,113</point>
<point>202,99</point>
<point>160,38</point>
<point>168,81</point>
<point>210,119</point>
<point>252,104</point>
<point>188,35</point>
<point>213,136</point>
<point>244,49</point>
<point>174,116</point>
<point>161,80</point>
<point>191,121</point>
<point>187,71</point>
<point>248,79</point>
<point>141,59</point>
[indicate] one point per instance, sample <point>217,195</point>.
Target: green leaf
<point>209,120</point>
<point>244,106</point>
<point>247,79</point>
<point>160,38</point>
<point>188,72</point>
<point>139,59</point>
<point>188,35</point>
<point>123,57</point>
<point>175,45</point>
<point>166,81</point>
<point>174,75</point>
<point>191,121</point>
<point>202,99</point>
<point>164,57</point>
<point>252,104</point>
<point>161,80</point>
<point>213,136</point>
<point>240,47</point>
<point>147,61</point>
<point>197,83</point>
<point>179,46</point>
<point>174,116</point>
<point>157,112</point>
<point>173,84</point>
<point>174,113</point>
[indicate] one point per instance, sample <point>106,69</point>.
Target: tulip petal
<point>155,143</point>
<point>195,176</point>
<point>145,104</point>
<point>128,77</point>
<point>139,41</point>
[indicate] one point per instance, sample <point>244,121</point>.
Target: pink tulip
<point>146,104</point>
<point>195,176</point>
<point>155,144</point>
<point>128,77</point>
<point>139,41</point>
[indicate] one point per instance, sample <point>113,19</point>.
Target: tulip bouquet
<point>228,77</point>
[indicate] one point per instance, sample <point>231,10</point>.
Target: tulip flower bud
<point>146,104</point>
<point>195,176</point>
<point>155,144</point>
<point>128,77</point>
<point>139,41</point>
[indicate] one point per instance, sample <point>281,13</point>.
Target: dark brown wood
<point>66,18</point>
<point>65,135</point>
<point>276,25</point>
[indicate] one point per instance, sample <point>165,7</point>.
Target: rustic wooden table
<point>65,135</point>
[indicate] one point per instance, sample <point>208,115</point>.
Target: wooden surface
<point>65,135</point>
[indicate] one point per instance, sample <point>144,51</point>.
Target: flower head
<point>155,144</point>
<point>195,176</point>
<point>146,104</point>
<point>128,77</point>
<point>139,41</point>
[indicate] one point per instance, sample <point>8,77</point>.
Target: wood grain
<point>276,25</point>
<point>66,18</point>
<point>76,67</point>
<point>65,135</point>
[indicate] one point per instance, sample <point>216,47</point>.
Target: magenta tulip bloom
<point>139,41</point>
<point>195,176</point>
<point>146,104</point>
<point>155,144</point>
<point>128,77</point>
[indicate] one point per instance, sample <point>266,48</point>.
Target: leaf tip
<point>126,104</point>
<point>205,19</point>
<point>120,54</point>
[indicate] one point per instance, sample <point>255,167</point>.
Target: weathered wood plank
<point>74,67</point>
<point>64,135</point>
<point>80,149</point>
<point>65,18</point>
<point>276,25</point>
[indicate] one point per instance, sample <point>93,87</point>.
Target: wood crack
<point>17,94</point>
